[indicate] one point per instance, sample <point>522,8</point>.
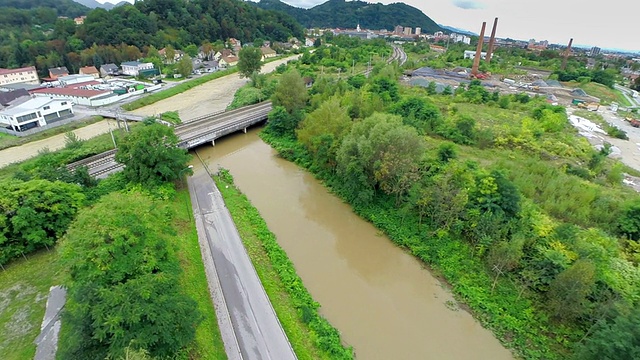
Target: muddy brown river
<point>383,301</point>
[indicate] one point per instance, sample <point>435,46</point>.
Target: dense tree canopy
<point>347,14</point>
<point>123,287</point>
<point>250,61</point>
<point>150,22</point>
<point>151,155</point>
<point>34,214</point>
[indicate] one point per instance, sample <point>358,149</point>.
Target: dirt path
<point>28,150</point>
<point>204,99</point>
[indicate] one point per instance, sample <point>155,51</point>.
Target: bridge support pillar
<point>245,130</point>
<point>213,143</point>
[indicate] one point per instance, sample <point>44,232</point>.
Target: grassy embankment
<point>7,141</point>
<point>208,343</point>
<point>606,94</point>
<point>311,336</point>
<point>24,287</point>
<point>514,313</point>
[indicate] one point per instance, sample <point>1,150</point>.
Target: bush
<point>34,214</point>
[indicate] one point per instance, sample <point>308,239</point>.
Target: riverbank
<point>503,311</point>
<point>311,335</point>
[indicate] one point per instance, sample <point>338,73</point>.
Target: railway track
<point>205,122</point>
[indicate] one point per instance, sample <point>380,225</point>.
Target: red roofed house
<point>55,73</point>
<point>27,75</point>
<point>227,61</point>
<point>90,70</point>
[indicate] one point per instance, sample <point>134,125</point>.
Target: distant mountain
<point>348,14</point>
<point>92,4</point>
<point>458,31</point>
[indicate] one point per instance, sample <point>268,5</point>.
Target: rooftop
<point>89,70</point>
<point>13,71</point>
<point>29,105</point>
<point>71,92</point>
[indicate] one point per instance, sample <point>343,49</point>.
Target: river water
<point>382,300</point>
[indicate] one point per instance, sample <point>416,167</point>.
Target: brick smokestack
<point>566,54</point>
<point>492,41</point>
<point>476,60</point>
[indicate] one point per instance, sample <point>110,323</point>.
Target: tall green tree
<point>185,66</point>
<point>290,92</point>
<point>617,339</point>
<point>151,155</point>
<point>250,61</point>
<point>123,287</point>
<point>568,292</point>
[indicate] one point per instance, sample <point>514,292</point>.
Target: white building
<point>460,38</point>
<point>470,54</point>
<point>75,79</point>
<point>418,30</point>
<point>27,75</point>
<point>35,112</point>
<point>133,68</point>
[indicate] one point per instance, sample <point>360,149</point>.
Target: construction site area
<point>534,82</point>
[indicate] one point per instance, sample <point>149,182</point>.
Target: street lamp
<point>186,200</point>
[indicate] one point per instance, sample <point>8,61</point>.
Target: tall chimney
<point>476,60</point>
<point>492,40</point>
<point>566,55</point>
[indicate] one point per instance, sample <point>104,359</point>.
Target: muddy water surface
<point>385,304</point>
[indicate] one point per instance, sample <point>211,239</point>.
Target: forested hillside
<point>36,36</point>
<point>37,12</point>
<point>343,14</point>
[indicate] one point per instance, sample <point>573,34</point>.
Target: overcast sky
<point>607,24</point>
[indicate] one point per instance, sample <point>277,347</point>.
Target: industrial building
<point>34,112</point>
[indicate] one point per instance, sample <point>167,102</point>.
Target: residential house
<point>205,55</point>
<point>35,112</point>
<point>27,75</point>
<point>308,82</point>
<point>90,70</point>
<point>133,68</point>
<point>79,20</point>
<point>228,61</point>
<point>55,73</point>
<point>308,42</point>
<point>267,52</point>
<point>177,55</point>
<point>235,44</point>
<point>109,70</point>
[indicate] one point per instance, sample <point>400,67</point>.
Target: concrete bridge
<point>199,131</point>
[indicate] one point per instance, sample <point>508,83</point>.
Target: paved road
<point>625,92</point>
<point>254,324</point>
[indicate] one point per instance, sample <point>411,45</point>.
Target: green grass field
<point>24,288</point>
<point>208,343</point>
<point>606,94</point>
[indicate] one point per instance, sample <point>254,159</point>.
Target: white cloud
<point>468,4</point>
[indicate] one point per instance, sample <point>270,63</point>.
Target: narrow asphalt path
<point>247,320</point>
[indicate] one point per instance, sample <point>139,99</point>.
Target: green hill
<point>343,14</point>
<point>68,8</point>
